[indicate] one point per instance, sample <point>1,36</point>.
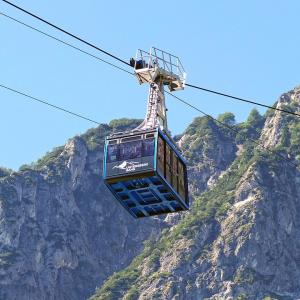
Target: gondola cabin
<point>146,173</point>
<point>143,167</point>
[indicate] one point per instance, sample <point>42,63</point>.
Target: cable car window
<point>168,163</point>
<point>148,147</point>
<point>181,187</point>
<point>112,153</point>
<point>161,154</point>
<point>131,150</point>
<point>113,142</point>
<point>131,138</point>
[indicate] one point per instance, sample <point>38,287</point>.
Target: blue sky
<point>246,48</point>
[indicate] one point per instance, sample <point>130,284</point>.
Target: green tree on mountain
<point>228,118</point>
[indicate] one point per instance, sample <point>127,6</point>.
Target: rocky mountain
<point>61,231</point>
<point>241,239</point>
<point>62,234</point>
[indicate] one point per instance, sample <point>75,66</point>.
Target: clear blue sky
<point>246,48</point>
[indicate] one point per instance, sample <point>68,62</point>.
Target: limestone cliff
<point>241,239</point>
<point>61,231</point>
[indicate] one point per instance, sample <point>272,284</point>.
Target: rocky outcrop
<point>277,120</point>
<point>61,231</point>
<point>210,149</point>
<point>241,238</point>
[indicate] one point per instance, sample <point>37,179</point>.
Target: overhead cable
<point>65,43</point>
<point>49,104</point>
<point>66,32</point>
<point>242,99</point>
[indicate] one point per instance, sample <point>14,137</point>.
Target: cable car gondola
<point>143,168</point>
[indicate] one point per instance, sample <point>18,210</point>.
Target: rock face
<point>241,239</point>
<point>61,231</point>
<point>210,149</point>
<point>274,126</point>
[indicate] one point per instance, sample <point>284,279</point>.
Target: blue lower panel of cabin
<point>147,196</point>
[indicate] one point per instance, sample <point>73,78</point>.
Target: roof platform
<point>159,66</point>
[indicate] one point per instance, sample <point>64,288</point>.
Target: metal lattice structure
<point>158,68</point>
